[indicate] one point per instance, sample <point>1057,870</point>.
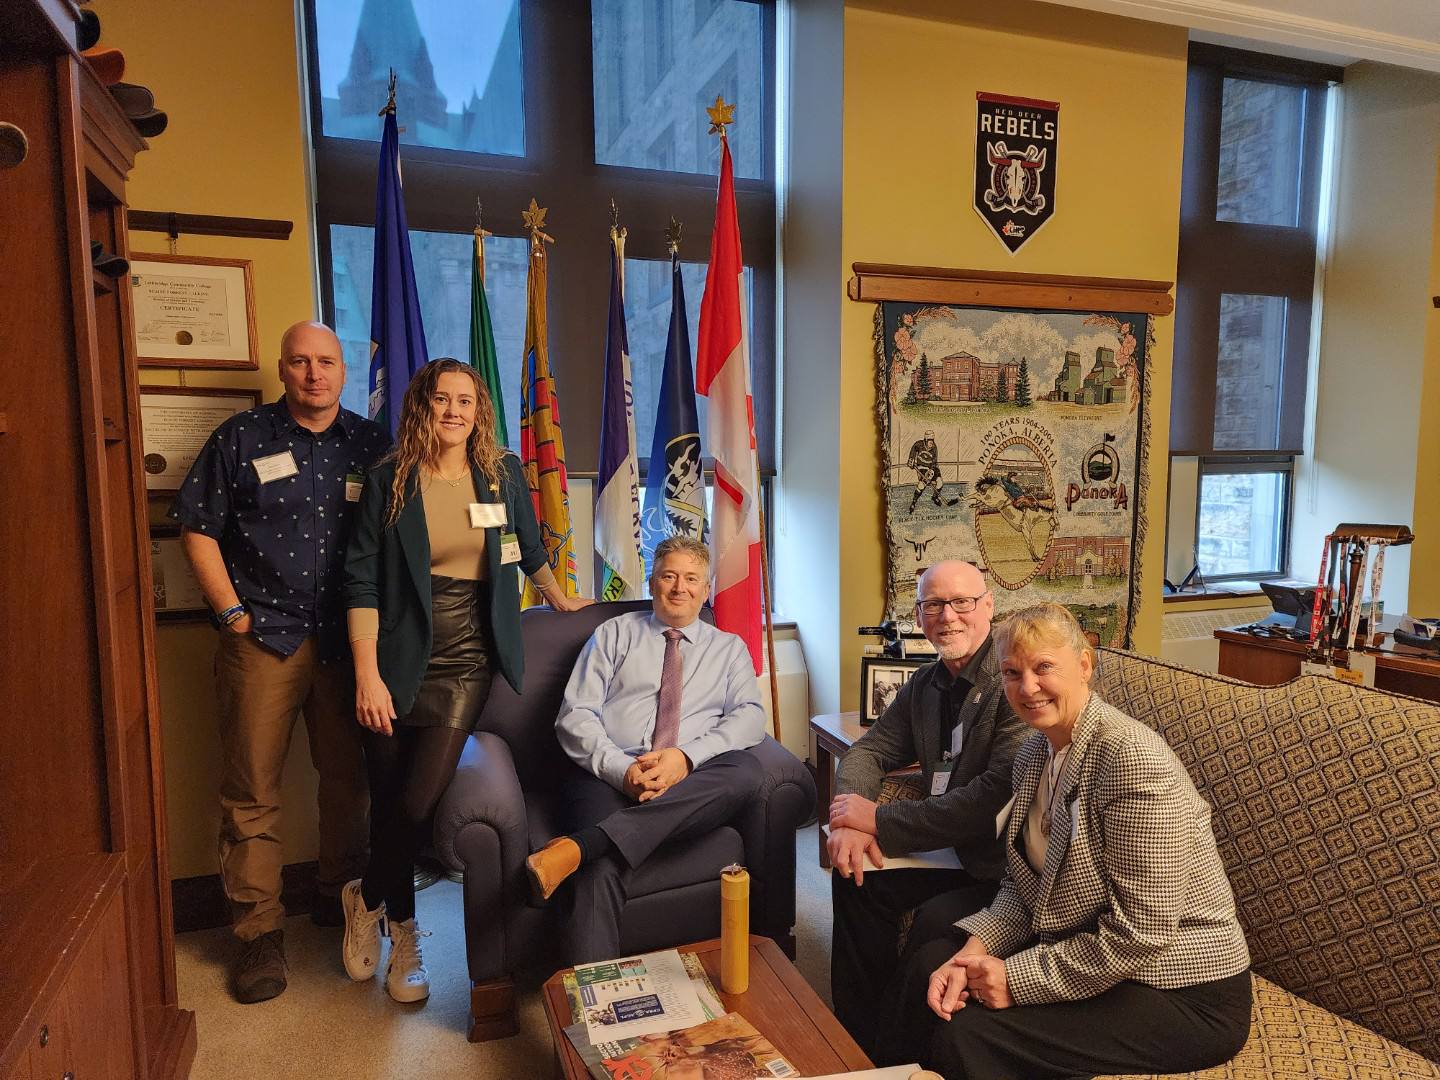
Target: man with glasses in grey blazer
<point>952,718</point>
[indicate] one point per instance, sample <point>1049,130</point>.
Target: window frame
<point>1218,256</point>
<point>559,170</point>
<point>1235,464</point>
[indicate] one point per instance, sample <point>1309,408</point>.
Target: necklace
<point>1052,773</point>
<point>453,483</point>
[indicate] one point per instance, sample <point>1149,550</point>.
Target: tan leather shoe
<point>550,866</point>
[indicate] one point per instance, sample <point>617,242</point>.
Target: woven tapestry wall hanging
<point>1015,438</point>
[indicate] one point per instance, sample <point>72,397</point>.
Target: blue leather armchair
<point>503,804</point>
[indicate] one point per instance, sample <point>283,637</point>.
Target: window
<point>1243,518</point>
<point>1249,222</point>
<point>573,103</point>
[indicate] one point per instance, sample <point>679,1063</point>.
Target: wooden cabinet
<point>88,984</point>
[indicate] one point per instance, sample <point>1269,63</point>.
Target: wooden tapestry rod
<point>173,224</point>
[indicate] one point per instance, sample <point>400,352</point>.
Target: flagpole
<point>769,623</point>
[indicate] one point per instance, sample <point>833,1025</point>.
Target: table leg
<point>824,783</point>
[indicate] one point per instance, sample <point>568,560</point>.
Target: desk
<point>1271,661</point>
<point>834,734</point>
<point>779,1003</point>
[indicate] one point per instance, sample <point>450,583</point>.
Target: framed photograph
<point>177,594</point>
<point>175,421</point>
<point>881,678</point>
<point>193,312</point>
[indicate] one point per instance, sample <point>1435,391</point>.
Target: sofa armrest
<point>767,829</point>
<point>480,828</point>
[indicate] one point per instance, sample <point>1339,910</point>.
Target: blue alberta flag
<point>397,335</point>
<point>675,485</point>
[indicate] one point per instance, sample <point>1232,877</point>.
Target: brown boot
<point>258,973</point>
<point>550,866</point>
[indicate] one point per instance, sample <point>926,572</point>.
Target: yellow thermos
<point>734,929</point>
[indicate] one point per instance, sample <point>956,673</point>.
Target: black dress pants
<point>865,957</point>
<point>706,799</point>
<point>1130,1028</point>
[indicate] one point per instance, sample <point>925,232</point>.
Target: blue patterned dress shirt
<point>283,541</point>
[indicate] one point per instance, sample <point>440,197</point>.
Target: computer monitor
<point>1297,601</point>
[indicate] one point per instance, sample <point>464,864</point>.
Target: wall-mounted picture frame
<point>175,421</point>
<point>193,312</point>
<point>881,678</point>
<point>177,593</point>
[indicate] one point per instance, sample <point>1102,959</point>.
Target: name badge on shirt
<point>940,778</point>
<point>354,482</point>
<point>489,516</point>
<point>509,548</point>
<point>275,466</point>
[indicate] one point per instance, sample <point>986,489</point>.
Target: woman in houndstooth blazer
<point>1112,946</point>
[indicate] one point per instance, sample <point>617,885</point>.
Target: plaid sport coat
<point>1132,886</point>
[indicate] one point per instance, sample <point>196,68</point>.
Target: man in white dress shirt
<point>658,716</point>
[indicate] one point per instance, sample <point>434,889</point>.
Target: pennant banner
<point>675,484</point>
<point>397,335</point>
<point>1016,142</point>
<point>617,507</point>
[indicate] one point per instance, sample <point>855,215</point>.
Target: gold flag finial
<point>389,109</point>
<point>534,219</point>
<point>672,235</point>
<point>721,115</point>
<point>480,231</point>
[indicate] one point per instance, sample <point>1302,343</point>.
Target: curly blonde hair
<point>1039,625</point>
<point>416,443</point>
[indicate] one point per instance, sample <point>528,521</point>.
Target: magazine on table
<point>726,1046</point>
<point>636,995</point>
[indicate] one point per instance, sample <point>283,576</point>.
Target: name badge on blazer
<point>487,515</point>
<point>509,548</point>
<point>275,466</point>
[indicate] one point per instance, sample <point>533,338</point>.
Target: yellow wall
<point>912,69</point>
<point>227,76</point>
<point>1425,558</point>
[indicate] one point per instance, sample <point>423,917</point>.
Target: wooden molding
<point>209,225</point>
<point>874,282</point>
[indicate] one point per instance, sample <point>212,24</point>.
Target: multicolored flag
<point>397,335</point>
<point>542,447</point>
<point>482,337</point>
<point>675,485</point>
<point>722,373</point>
<point>617,507</point>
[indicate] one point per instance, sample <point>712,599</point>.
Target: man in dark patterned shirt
<point>265,511</point>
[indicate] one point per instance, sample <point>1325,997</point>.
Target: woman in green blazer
<point>444,521</point>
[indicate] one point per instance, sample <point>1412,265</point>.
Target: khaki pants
<point>260,694</point>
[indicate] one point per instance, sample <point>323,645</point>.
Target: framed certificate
<point>177,594</point>
<point>193,312</point>
<point>175,421</point>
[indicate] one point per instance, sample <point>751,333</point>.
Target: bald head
<point>312,369</point>
<point>956,635</point>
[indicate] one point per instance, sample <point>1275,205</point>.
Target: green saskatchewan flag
<point>482,338</point>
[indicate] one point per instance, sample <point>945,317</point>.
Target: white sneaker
<point>361,947</point>
<point>405,976</point>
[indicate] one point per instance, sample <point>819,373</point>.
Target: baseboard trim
<point>199,902</point>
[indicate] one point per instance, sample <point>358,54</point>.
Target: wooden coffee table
<point>779,1003</point>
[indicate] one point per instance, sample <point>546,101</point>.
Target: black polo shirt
<point>956,687</point>
<point>274,495</point>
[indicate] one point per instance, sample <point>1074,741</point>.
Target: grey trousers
<point>706,799</point>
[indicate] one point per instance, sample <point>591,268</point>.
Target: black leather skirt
<point>457,679</point>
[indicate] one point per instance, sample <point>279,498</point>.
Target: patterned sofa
<point>1327,811</point>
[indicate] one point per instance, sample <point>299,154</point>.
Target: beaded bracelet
<point>229,616</point>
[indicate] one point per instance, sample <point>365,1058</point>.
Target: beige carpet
<point>326,1026</point>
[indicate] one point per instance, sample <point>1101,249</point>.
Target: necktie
<point>667,711</point>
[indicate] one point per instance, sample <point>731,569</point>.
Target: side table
<point>834,734</point>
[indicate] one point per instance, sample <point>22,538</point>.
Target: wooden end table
<point>834,734</point>
<point>779,1003</point>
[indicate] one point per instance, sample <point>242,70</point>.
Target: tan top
<point>1037,837</point>
<point>456,550</point>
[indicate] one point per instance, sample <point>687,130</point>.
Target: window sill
<point>1217,595</point>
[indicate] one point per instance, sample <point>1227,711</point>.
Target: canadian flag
<point>722,373</point>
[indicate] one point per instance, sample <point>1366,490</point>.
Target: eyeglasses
<point>962,605</point>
